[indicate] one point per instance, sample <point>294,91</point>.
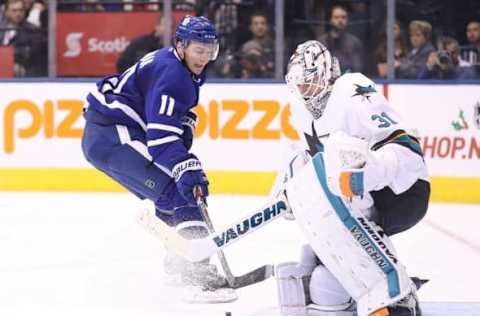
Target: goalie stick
<point>203,248</point>
<point>260,274</point>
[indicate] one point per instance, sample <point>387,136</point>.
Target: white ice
<point>85,254</point>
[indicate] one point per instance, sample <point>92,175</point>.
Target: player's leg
<point>346,242</point>
<point>329,298</point>
<point>127,162</point>
<point>397,213</point>
<point>189,223</point>
<point>308,288</point>
<point>121,153</point>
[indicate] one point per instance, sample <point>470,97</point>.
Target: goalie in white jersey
<point>372,183</point>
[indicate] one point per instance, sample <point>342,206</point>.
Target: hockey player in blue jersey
<point>139,130</point>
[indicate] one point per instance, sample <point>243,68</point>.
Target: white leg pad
<point>292,287</point>
<point>325,290</point>
<point>345,241</point>
<point>308,258</point>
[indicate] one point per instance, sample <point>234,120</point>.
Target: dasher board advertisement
<point>244,135</point>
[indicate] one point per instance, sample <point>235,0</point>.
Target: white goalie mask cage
<point>311,72</point>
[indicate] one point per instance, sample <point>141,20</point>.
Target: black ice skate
<point>407,306</point>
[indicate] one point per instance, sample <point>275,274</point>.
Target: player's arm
<point>393,157</point>
<point>393,140</point>
<point>189,124</point>
<point>165,112</point>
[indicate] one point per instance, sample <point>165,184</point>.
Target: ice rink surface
<point>85,254</point>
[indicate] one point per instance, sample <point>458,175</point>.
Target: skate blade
<point>196,295</point>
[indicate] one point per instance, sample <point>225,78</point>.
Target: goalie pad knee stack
<point>325,290</point>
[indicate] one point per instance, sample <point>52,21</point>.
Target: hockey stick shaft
<point>221,256</point>
<point>257,275</point>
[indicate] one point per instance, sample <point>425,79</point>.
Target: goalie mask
<point>311,72</point>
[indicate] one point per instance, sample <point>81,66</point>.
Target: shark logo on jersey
<point>364,91</point>
<point>313,141</point>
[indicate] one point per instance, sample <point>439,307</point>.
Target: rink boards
<point>243,136</point>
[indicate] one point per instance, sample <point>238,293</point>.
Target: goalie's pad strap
<point>345,241</point>
<point>292,288</point>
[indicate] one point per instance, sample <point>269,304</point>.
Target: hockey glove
<point>189,122</point>
<point>345,160</point>
<point>187,174</point>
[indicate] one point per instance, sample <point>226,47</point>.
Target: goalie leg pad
<point>345,242</point>
<point>325,290</point>
<point>292,288</point>
<point>308,258</point>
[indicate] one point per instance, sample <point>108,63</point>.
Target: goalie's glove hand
<point>345,159</point>
<point>188,174</point>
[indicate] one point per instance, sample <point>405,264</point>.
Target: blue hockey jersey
<point>155,95</point>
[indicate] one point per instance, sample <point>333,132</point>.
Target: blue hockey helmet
<point>197,29</point>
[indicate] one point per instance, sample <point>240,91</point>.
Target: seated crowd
<point>248,44</point>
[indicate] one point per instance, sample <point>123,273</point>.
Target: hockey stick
<point>203,248</point>
<point>260,274</point>
<point>202,205</point>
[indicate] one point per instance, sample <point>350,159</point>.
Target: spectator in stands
<point>446,63</point>
<point>253,62</point>
<point>225,17</point>
<point>2,10</point>
<point>140,46</point>
<point>413,63</point>
<point>344,45</point>
<point>80,6</point>
<point>34,9</point>
<point>257,54</point>
<point>135,5</point>
<point>472,51</point>
<point>28,42</point>
<point>227,65</point>
<point>401,50</point>
<point>473,34</point>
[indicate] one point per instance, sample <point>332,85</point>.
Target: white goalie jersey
<point>357,109</point>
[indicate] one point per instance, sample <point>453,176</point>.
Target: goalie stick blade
<point>258,275</point>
